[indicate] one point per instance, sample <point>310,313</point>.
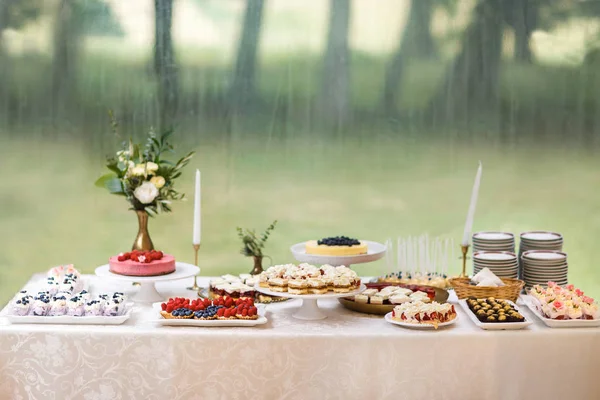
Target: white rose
<point>138,170</point>
<point>151,167</point>
<point>146,193</point>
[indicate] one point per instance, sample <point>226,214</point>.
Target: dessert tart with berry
<point>336,246</point>
<point>142,263</point>
<point>222,308</point>
<point>420,313</point>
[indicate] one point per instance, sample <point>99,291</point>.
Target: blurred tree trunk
<point>522,15</point>
<point>415,41</point>
<point>334,98</point>
<point>243,88</point>
<point>471,84</point>
<point>66,49</point>
<point>165,66</point>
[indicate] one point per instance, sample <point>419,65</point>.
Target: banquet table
<point>346,356</point>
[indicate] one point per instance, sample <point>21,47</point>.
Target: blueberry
<point>18,301</point>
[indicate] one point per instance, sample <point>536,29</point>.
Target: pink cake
<point>142,264</point>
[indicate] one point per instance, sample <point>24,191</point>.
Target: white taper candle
<point>197,211</point>
<point>472,206</point>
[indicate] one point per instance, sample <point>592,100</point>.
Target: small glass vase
<point>142,240</point>
<point>257,265</point>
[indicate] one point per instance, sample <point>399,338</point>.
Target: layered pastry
<point>241,286</point>
<point>142,263</point>
<point>223,308</point>
<point>382,294</point>
<point>309,279</point>
<point>416,278</point>
<point>563,303</point>
<point>491,310</point>
<point>336,246</point>
<point>226,286</point>
<point>425,314</point>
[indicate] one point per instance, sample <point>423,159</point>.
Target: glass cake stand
<point>375,251</point>
<point>148,292</point>
<point>309,310</point>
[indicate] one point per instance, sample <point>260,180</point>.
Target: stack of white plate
<point>538,240</point>
<point>541,266</point>
<point>503,264</point>
<point>493,241</point>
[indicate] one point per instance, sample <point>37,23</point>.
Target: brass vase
<point>142,240</point>
<point>257,265</point>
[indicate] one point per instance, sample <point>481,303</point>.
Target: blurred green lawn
<point>372,188</point>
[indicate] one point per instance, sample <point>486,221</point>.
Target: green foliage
<point>134,167</point>
<point>252,244</point>
<point>19,13</point>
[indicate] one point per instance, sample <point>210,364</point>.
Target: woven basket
<point>510,291</point>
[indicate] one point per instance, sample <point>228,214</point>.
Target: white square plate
<point>557,323</point>
<point>495,326</point>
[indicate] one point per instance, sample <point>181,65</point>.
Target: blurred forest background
<point>335,117</point>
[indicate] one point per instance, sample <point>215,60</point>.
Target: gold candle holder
<point>195,287</point>
<point>465,250</point>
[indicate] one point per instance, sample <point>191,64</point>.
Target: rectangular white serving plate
<point>68,319</point>
<point>557,323</point>
<point>495,326</point>
<point>210,323</point>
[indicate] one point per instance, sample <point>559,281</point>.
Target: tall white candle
<point>197,212</point>
<point>472,206</point>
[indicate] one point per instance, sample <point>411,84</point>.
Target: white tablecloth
<point>346,356</point>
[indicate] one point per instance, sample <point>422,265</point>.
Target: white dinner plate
<point>493,236</point>
<point>388,318</point>
<point>556,323</point>
<point>68,319</point>
<point>262,319</point>
<point>544,255</point>
<point>494,256</point>
<point>495,326</point>
<point>541,236</point>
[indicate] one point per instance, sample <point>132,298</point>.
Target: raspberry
<point>252,311</point>
<point>160,253</point>
<point>121,258</point>
<point>228,303</point>
<point>163,306</point>
<point>134,257</point>
<point>206,302</point>
<point>169,308</point>
<point>221,312</point>
<point>244,312</point>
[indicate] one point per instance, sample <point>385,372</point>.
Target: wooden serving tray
<point>441,296</point>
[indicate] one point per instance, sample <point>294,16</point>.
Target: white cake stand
<point>309,310</point>
<point>148,292</point>
<point>374,252</point>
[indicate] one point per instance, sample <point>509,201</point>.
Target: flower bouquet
<point>145,179</point>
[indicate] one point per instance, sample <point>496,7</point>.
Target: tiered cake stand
<point>148,292</point>
<point>309,310</point>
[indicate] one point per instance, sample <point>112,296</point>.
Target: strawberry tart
<point>142,263</point>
